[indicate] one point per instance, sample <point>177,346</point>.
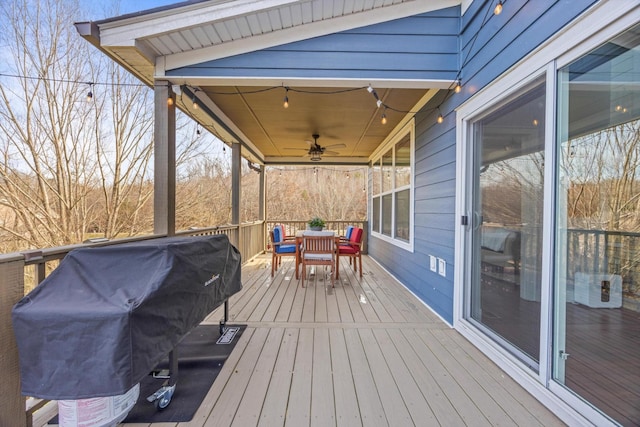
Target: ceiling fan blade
<point>330,153</point>
<point>335,146</point>
<point>292,148</point>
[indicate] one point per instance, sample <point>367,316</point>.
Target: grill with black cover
<point>102,320</point>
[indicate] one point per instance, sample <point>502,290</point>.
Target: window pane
<point>375,178</point>
<point>387,170</point>
<point>386,214</point>
<point>597,284</point>
<point>508,203</point>
<point>375,215</point>
<point>403,162</point>
<point>402,215</point>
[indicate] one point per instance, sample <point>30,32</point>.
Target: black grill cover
<point>102,320</point>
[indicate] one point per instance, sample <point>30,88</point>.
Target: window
<point>392,203</point>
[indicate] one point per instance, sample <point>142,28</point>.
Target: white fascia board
<point>306,31</point>
<point>124,32</point>
<point>303,82</point>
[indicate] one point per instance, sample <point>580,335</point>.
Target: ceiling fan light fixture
<point>315,156</point>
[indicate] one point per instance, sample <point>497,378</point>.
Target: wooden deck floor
<point>366,352</point>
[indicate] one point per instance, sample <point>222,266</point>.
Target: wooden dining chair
<point>353,249</point>
<point>320,251</point>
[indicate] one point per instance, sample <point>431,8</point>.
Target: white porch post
<point>262,205</point>
<point>164,187</point>
<point>236,182</point>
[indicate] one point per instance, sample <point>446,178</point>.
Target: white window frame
<point>389,145</point>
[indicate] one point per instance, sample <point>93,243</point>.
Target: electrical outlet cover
<point>433,263</point>
<point>442,267</point>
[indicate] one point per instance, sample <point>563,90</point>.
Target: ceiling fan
<point>316,151</point>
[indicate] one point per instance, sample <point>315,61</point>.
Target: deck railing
<point>17,278</point>
<point>20,272</point>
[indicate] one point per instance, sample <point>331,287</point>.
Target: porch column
<point>12,403</point>
<point>236,182</point>
<point>262,206</point>
<point>164,160</point>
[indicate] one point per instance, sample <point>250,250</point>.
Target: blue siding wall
<point>419,47</point>
<point>489,46</point>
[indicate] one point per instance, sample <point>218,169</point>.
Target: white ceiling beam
<point>305,82</point>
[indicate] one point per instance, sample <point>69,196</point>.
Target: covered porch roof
<point>232,63</point>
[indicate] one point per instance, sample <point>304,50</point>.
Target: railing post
<point>262,205</point>
<point>12,404</point>
<point>236,189</point>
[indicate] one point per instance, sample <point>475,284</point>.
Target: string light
<point>170,101</point>
<point>458,87</point>
<point>90,93</point>
<point>498,9</point>
<point>195,102</point>
<point>440,119</point>
<point>286,98</point>
<point>373,92</point>
<point>383,120</point>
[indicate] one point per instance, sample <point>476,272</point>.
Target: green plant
<point>316,222</point>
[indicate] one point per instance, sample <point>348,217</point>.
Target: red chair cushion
<point>349,250</point>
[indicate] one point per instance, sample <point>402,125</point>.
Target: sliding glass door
<point>507,204</point>
<point>597,283</point>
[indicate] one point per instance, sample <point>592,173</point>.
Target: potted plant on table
<point>316,224</point>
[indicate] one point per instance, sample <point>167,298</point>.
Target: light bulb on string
<point>169,101</point>
<point>90,93</point>
<point>286,98</point>
<point>195,102</point>
<point>440,119</point>
<point>383,120</point>
<point>498,9</point>
<point>458,87</point>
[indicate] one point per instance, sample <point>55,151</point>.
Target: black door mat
<point>200,360</point>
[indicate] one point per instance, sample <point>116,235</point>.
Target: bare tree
<point>45,160</point>
<point>70,165</point>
